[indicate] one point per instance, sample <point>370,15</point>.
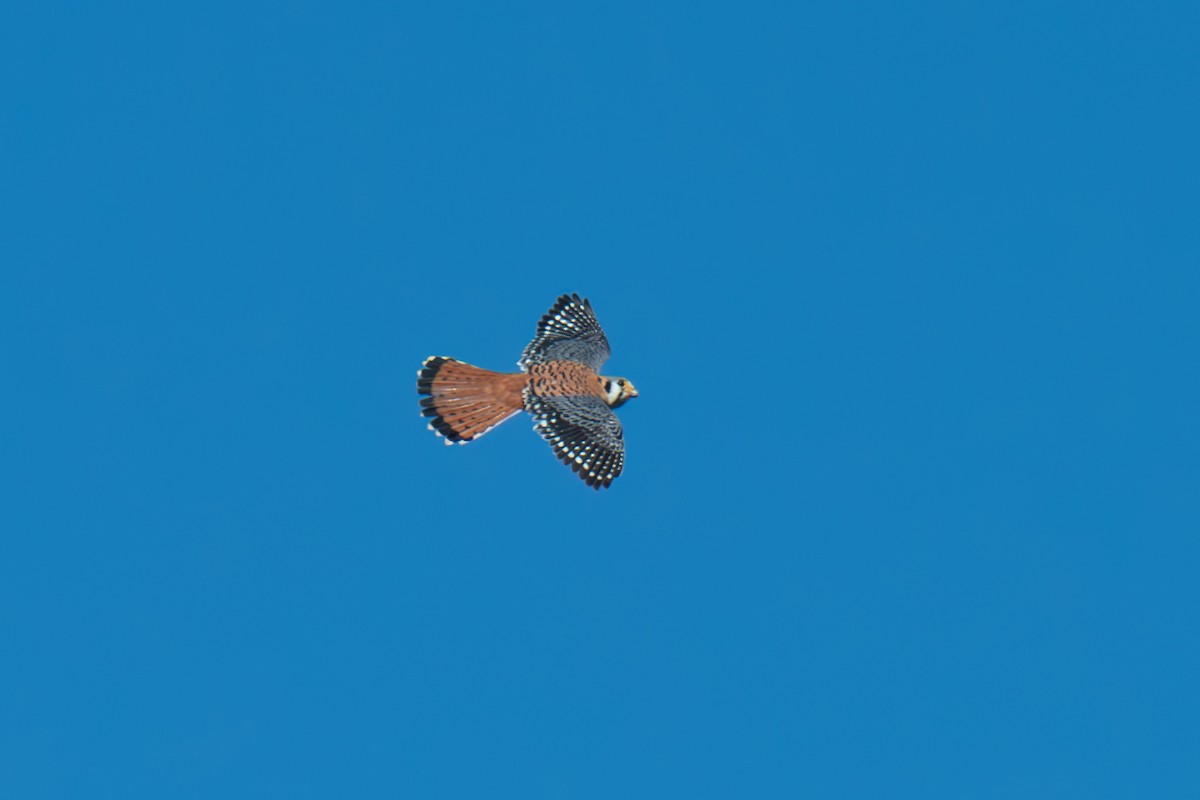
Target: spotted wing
<point>568,332</point>
<point>585,434</point>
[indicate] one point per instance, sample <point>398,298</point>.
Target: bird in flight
<point>559,384</point>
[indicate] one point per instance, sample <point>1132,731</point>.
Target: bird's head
<point>616,390</point>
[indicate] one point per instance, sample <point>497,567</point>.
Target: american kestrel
<point>559,384</point>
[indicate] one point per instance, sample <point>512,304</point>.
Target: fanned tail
<point>464,402</point>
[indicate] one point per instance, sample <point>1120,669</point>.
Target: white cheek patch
<point>612,392</point>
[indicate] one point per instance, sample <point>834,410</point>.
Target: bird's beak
<point>631,389</point>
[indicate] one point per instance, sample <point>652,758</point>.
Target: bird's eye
<point>620,383</point>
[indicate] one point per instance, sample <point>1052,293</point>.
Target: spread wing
<point>568,332</point>
<point>585,434</point>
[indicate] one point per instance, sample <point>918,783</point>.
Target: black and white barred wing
<point>568,332</point>
<point>585,434</point>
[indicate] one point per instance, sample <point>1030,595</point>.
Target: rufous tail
<point>465,402</point>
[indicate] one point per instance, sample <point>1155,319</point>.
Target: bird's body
<point>559,385</point>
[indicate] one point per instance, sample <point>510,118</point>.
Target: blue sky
<point>909,291</point>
